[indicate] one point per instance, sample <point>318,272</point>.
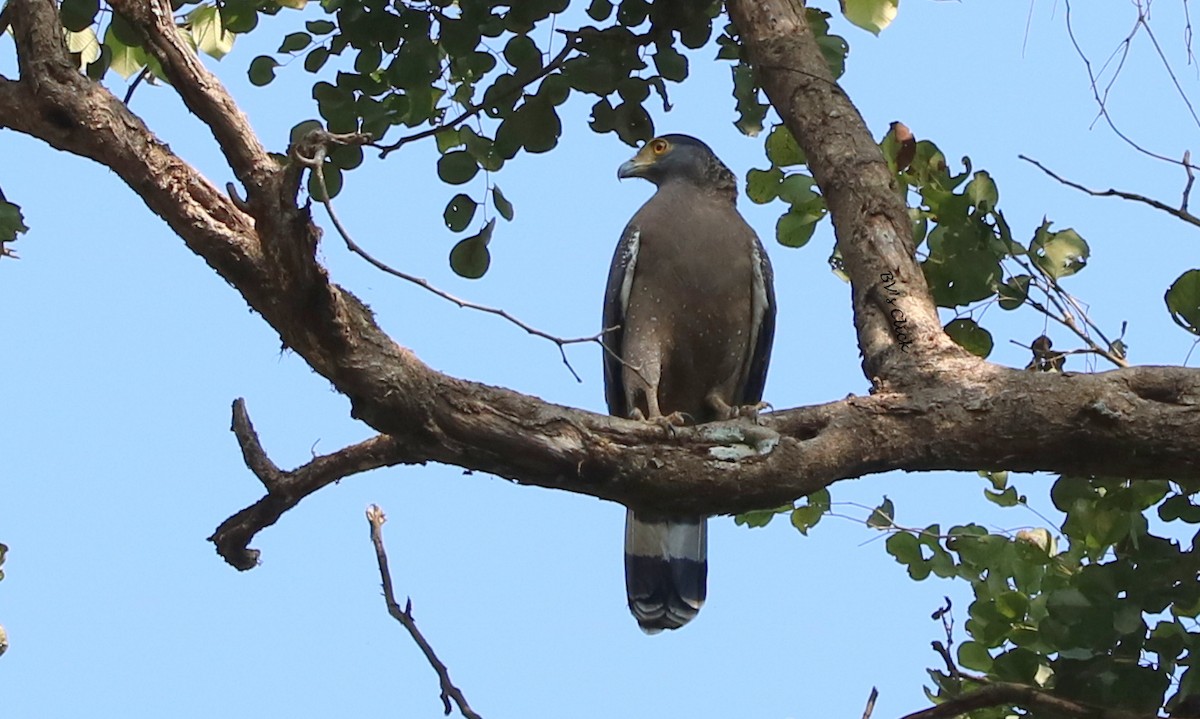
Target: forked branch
<point>285,489</point>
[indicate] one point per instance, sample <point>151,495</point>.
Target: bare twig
<point>1178,212</point>
<point>1101,98</point>
<point>475,108</point>
<point>376,518</point>
<point>314,164</point>
<point>870,703</point>
<point>1065,317</point>
<point>285,489</point>
<point>134,85</point>
<point>1191,180</point>
<point>1167,65</point>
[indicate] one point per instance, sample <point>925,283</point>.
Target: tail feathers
<point>666,570</point>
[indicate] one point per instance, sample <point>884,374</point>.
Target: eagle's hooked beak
<point>632,167</point>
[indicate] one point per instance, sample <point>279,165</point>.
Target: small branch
<point>1177,212</point>
<point>285,489</point>
<point>376,518</point>
<point>134,85</point>
<point>1066,319</point>
<point>870,703</point>
<point>1026,697</point>
<point>1101,98</point>
<point>318,140</point>
<point>476,108</point>
<point>1191,180</point>
<point>203,94</point>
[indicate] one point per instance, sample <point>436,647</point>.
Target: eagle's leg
<point>724,410</point>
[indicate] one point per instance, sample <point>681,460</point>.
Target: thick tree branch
<point>899,332</point>
<point>376,518</point>
<point>1137,422</point>
<point>1005,419</point>
<point>200,90</point>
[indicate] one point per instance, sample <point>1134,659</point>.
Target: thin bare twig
<point>314,164</point>
<point>1167,65</point>
<point>376,518</point>
<point>134,85</point>
<point>1101,98</point>
<point>1066,318</point>
<point>1177,212</point>
<point>1191,180</point>
<point>870,703</point>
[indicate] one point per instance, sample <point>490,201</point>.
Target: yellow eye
<point>659,146</point>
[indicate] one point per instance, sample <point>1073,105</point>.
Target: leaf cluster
<point>1104,614</point>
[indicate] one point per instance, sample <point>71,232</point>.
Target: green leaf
<point>316,58</point>
<point>882,516</point>
<point>333,182</point>
<point>974,656</point>
<point>762,186</point>
<point>797,190</point>
<point>127,60</point>
<point>1014,292</point>
<point>970,336</point>
<point>503,206</point>
<point>86,45</point>
<point>208,33</point>
<point>757,518</point>
<point>293,42</point>
<point>459,212</point>
<point>301,129</point>
<point>239,16</point>
<point>1006,498</point>
<point>1183,301</point>
<point>833,47</point>
<point>1178,507</point>
<point>904,547</point>
<point>523,54</point>
<point>12,223</point>
<point>78,15</point>
<point>447,140</point>
<point>368,59</point>
<point>671,64</point>
<point>599,10</point>
<point>870,15</point>
<point>999,480</point>
<point>1058,254</point>
<point>346,157</point>
<point>262,70</point>
<point>982,192</point>
<point>320,27</point>
<point>782,149</point>
<point>470,257</point>
<point>1016,665</point>
<point>806,516</point>
<point>457,167</point>
<point>795,228</point>
<point>751,110</point>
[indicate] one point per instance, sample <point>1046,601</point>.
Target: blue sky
<point>122,352</point>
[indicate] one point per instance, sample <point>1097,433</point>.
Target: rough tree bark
<point>933,406</point>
